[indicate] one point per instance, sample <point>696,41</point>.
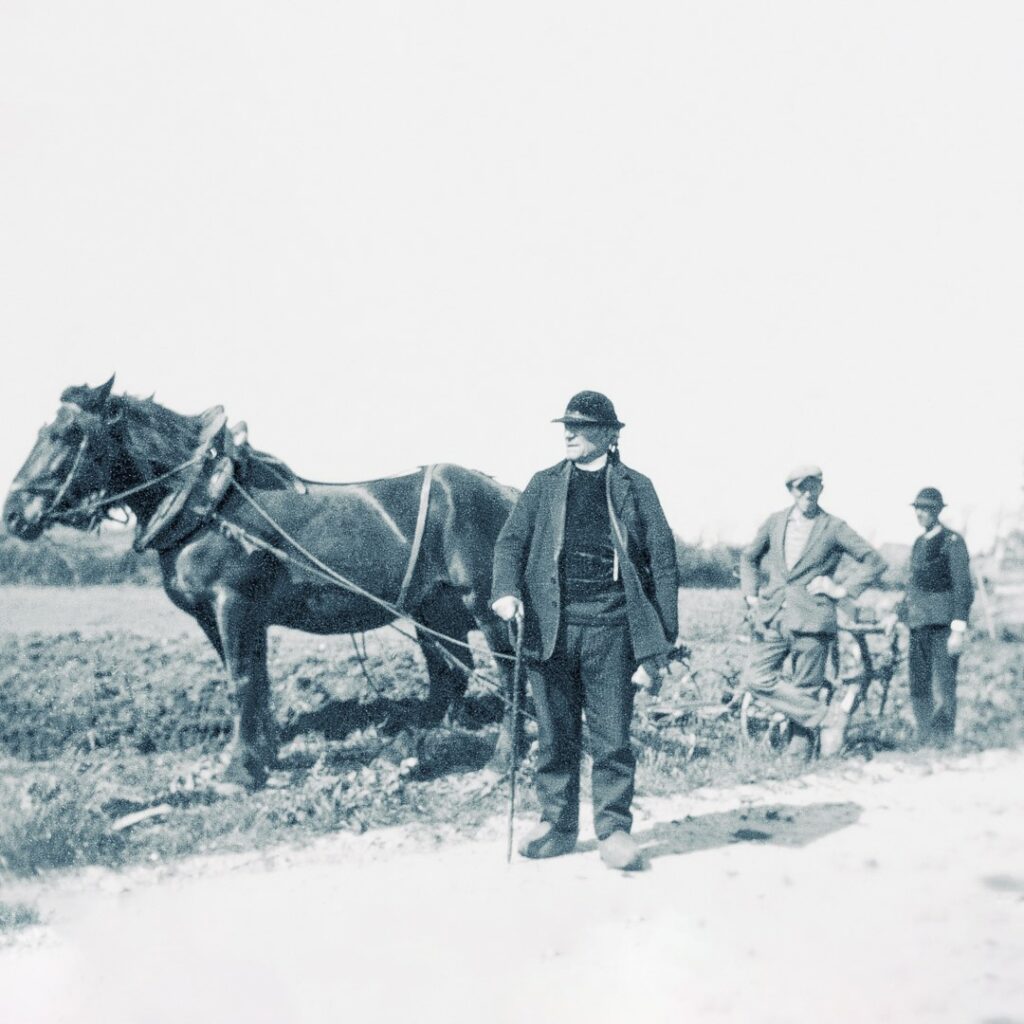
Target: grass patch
<point>15,916</point>
<point>95,729</point>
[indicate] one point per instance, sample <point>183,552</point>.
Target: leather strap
<point>417,540</point>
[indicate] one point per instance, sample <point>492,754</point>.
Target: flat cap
<point>929,497</point>
<point>798,473</point>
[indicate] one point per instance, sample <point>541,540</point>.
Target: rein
<point>90,506</point>
<point>321,569</point>
<point>59,497</point>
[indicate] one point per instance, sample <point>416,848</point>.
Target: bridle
<point>51,514</point>
<point>99,503</point>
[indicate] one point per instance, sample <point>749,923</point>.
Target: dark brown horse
<point>207,505</point>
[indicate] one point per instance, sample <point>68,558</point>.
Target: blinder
<point>94,436</point>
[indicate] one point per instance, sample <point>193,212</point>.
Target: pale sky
<point>387,234</point>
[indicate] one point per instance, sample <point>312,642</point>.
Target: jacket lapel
<point>817,530</point>
<point>778,541</point>
<point>559,498</point>
<point>619,489</point>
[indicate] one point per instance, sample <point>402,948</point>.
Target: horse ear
<point>78,394</point>
<point>102,393</point>
<point>87,398</point>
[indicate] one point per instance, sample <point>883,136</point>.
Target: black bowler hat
<point>929,497</point>
<point>590,407</point>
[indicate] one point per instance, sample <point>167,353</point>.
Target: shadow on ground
<point>395,730</point>
<point>778,824</point>
<point>338,719</point>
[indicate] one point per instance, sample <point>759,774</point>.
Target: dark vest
<point>591,585</point>
<point>940,587</point>
<point>929,564</point>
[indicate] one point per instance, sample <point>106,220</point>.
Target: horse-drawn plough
<point>699,700</point>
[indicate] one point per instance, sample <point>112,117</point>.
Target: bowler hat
<point>799,473</point>
<point>590,407</point>
<point>929,497</point>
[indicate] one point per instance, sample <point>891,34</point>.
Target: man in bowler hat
<point>939,598</point>
<point>799,549</point>
<point>587,565</point>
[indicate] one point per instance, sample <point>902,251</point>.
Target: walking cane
<point>513,756</point>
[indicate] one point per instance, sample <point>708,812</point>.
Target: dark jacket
<point>527,559</point>
<point>940,589</point>
<point>785,598</point>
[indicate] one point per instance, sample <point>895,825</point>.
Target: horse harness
<point>417,539</point>
<point>211,473</point>
<point>204,483</point>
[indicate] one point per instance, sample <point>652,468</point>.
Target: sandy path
<point>892,891</point>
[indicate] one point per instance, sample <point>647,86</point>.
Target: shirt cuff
<point>958,626</point>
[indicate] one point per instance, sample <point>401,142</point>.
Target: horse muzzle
<point>25,514</point>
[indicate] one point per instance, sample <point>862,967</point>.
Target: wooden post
<point>986,605</point>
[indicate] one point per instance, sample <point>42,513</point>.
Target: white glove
<point>650,674</point>
<point>508,608</point>
<point>827,586</point>
<point>955,643</point>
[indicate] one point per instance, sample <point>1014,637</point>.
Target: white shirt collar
<point>795,513</point>
<point>593,467</point>
<point>934,530</point>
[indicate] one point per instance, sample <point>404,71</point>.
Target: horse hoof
<point>249,776</point>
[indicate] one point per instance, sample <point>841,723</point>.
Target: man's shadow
<point>778,824</point>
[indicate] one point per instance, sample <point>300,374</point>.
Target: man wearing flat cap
<point>798,550</point>
<point>587,565</point>
<point>939,598</point>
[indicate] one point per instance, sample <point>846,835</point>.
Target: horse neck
<point>152,441</point>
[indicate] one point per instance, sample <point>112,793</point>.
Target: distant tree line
<point>707,568</point>
<point>717,566</point>
<point>67,558</point>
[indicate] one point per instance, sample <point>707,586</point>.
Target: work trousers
<point>588,673</point>
<point>932,683</point>
<point>795,697</point>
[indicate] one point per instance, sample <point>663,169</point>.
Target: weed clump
<point>51,823</point>
<point>15,916</point>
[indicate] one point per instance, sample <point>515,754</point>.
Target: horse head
<point>72,459</point>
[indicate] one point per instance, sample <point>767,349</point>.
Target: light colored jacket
<point>784,599</point>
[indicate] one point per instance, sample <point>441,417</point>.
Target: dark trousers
<point>932,683</point>
<point>589,673</point>
<point>796,698</point>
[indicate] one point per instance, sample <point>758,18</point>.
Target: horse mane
<point>157,438</point>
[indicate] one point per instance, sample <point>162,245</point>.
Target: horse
<point>245,544</point>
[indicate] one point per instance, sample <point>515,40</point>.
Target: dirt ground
<point>886,891</point>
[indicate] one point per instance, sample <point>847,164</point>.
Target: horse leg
<point>266,730</point>
<point>207,620</point>
<point>496,634</point>
<point>243,639</point>
<point>449,665</point>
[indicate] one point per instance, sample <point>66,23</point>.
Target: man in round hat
<point>587,566</point>
<point>939,598</point>
<point>798,550</point>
